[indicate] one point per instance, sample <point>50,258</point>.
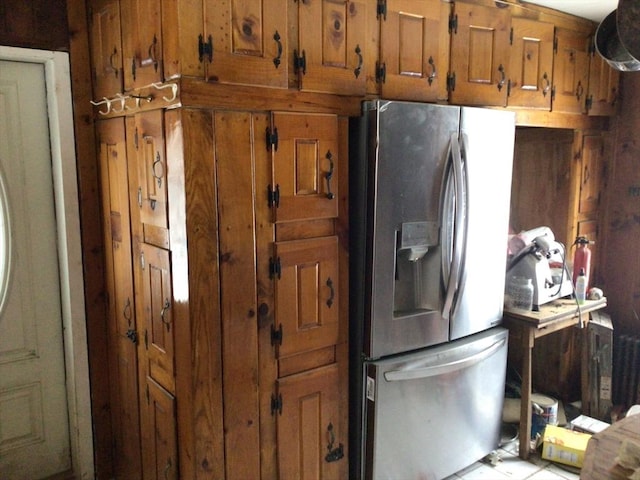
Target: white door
<point>34,421</point>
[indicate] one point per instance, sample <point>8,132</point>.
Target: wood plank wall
<point>621,220</point>
<point>38,24</point>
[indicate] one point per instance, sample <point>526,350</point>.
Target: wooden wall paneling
<point>371,51</point>
<point>265,236</point>
<point>91,233</point>
<point>541,182</point>
<point>38,24</point>
<point>193,219</point>
<point>235,174</point>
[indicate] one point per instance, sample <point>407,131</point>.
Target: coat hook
<point>104,101</point>
<point>122,99</point>
<point>172,86</point>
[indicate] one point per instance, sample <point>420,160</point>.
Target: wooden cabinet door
<point>479,55</point>
<point>156,312</point>
<point>531,66</point>
<point>305,166</point>
<point>591,175</point>
<point>306,294</point>
<point>603,86</point>
<point>106,47</point>
<point>122,341</point>
<point>311,443</point>
<point>142,42</point>
<point>570,72</point>
<point>249,40</point>
<point>160,434</point>
<point>147,150</point>
<point>414,50</point>
<point>331,39</point>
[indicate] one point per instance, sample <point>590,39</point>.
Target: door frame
<point>65,187</point>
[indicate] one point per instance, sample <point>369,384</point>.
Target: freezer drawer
<point>431,413</point>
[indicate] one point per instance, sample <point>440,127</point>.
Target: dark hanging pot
<point>618,37</point>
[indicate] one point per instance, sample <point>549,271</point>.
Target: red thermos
<point>582,259</point>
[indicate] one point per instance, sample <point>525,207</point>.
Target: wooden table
<point>551,317</point>
<point>603,448</point>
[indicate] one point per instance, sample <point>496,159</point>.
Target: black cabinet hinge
<point>588,103</point>
<point>276,404</point>
<point>511,36</point>
<point>553,93</point>
<point>276,335</point>
<point>381,9</point>
<point>451,82</point>
<point>275,268</point>
<point>453,23</point>
<point>146,339</point>
<point>273,196</point>
<point>272,139</point>
<point>592,46</point>
<point>381,72</point>
<point>205,49</point>
<point>300,62</point>
<point>509,88</point>
<point>555,44</point>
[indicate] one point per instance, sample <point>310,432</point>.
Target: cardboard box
<point>564,446</point>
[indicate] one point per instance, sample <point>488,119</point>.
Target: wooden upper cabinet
<point>591,175</point>
<point>160,436</point>
<point>149,176</point>
<point>306,299</point>
<point>305,166</point>
<point>156,301</point>
<point>106,48</point>
<point>479,55</point>
<point>414,50</point>
<point>142,42</point>
<point>248,41</point>
<point>531,65</point>
<point>570,72</point>
<point>330,55</point>
<point>310,437</point>
<point>603,93</point>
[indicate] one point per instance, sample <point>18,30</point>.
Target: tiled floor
<point>510,466</point>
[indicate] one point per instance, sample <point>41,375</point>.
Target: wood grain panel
<point>234,159</point>
<point>37,24</point>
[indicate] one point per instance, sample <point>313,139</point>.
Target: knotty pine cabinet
<point>571,72</point>
<point>414,50</point>
<point>602,98</point>
<point>106,48</point>
<point>480,50</point>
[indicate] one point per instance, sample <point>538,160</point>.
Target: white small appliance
<point>538,256</point>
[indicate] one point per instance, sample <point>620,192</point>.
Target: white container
<point>581,287</point>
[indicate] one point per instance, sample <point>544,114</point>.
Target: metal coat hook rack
<point>104,101</point>
<point>111,103</point>
<point>172,86</point>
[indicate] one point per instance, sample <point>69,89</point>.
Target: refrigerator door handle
<point>458,234</point>
<point>444,368</point>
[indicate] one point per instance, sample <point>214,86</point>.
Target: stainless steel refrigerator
<point>429,207</point>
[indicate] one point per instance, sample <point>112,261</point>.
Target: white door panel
<point>34,424</point>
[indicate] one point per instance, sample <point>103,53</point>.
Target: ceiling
<point>594,10</point>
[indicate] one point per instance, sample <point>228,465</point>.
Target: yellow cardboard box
<point>564,446</point>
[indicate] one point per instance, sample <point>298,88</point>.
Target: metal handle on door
<point>165,307</point>
<point>547,86</point>
<point>357,70</point>
<point>156,175</point>
<point>332,292</point>
<point>329,174</point>
<point>276,60</point>
<point>503,78</point>
<point>431,77</point>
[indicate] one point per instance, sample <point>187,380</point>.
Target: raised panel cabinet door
<point>414,50</point>
<point>122,331</point>
<point>531,68</point>
<point>249,42</point>
<point>306,294</point>
<point>311,443</point>
<point>148,151</point>
<point>330,53</point>
<point>570,72</point>
<point>591,175</point>
<point>305,166</point>
<point>160,436</point>
<point>142,42</point>
<point>603,86</point>
<point>157,314</point>
<point>106,47</point>
<point>479,55</point>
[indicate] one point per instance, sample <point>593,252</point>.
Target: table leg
<point>525,402</point>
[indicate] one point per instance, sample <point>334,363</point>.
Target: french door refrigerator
<point>429,207</point>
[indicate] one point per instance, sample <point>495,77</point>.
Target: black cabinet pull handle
<point>332,292</point>
<point>165,307</point>
<point>329,175</point>
<point>277,38</point>
<point>503,77</point>
<point>547,85</point>
<point>357,70</point>
<point>432,76</point>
